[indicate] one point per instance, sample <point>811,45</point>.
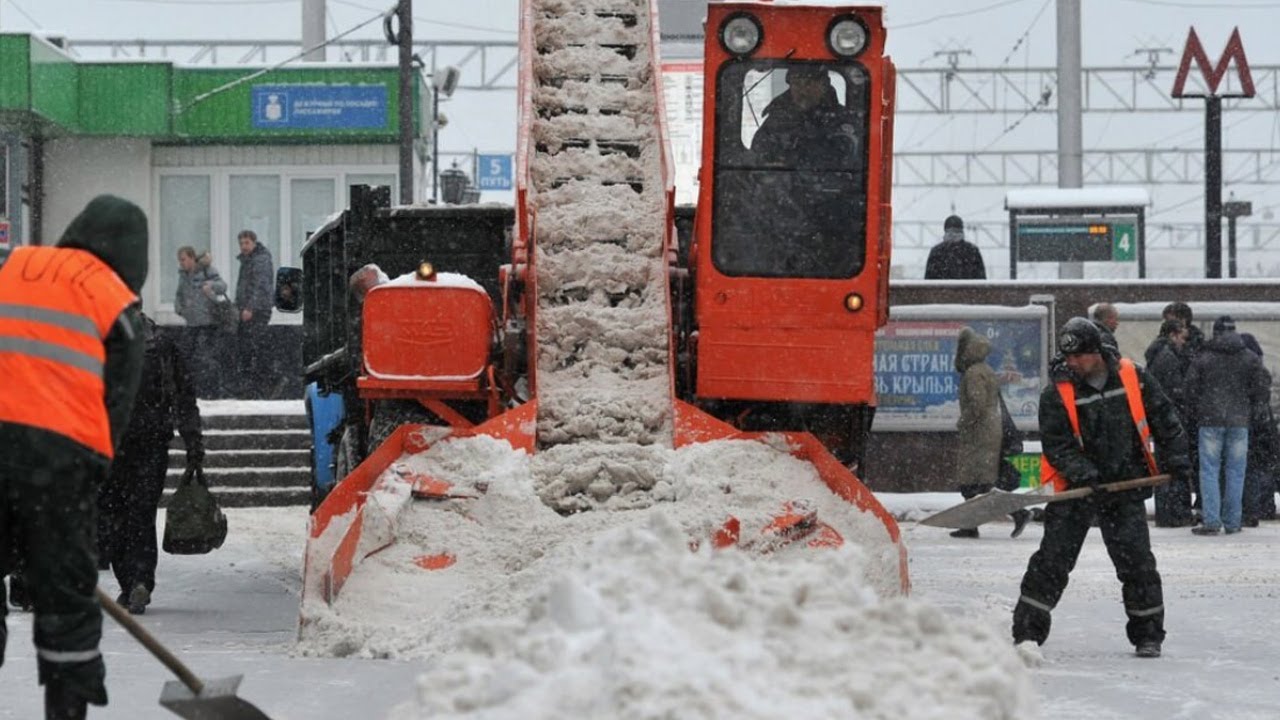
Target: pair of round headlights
<point>741,35</point>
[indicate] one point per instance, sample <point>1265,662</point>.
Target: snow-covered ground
<point>235,612</point>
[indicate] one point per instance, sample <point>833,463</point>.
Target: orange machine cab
<point>791,254</point>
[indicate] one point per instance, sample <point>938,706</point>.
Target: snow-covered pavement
<point>235,612</point>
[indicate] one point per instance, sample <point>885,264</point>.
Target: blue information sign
<point>319,107</point>
<point>494,172</point>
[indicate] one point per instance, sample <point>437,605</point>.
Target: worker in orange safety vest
<point>1097,425</point>
<point>71,351</point>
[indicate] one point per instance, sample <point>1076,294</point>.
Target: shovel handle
<point>1135,483</point>
<point>149,641</point>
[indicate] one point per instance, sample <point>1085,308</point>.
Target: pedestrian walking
<point>1096,423</point>
<point>1105,314</point>
<point>1225,382</point>
<point>255,291</point>
<point>129,500</point>
<point>71,349</point>
<point>200,288</point>
<point>955,258</point>
<point>984,428</point>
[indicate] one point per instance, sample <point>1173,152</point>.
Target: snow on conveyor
<point>609,614</point>
<point>603,377</point>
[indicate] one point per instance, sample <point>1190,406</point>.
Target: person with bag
<point>129,500</point>
<point>202,301</point>
<point>1097,422</point>
<point>71,349</point>
<point>985,429</point>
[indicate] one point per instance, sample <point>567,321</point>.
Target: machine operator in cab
<point>806,126</point>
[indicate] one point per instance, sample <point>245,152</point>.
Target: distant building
<point>206,151</point>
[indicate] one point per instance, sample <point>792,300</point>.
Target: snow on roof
<point>972,312</point>
<point>443,279</point>
<point>1203,312</point>
<point>1093,197</point>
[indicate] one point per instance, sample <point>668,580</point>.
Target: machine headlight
<point>846,37</point>
<point>426,271</point>
<point>853,302</point>
<point>741,34</point>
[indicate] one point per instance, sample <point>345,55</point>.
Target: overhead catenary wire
<point>25,14</point>
<point>254,75</point>
<point>432,21</point>
<point>952,15</point>
<point>1217,4</point>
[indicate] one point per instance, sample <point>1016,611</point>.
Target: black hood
<point>1228,343</point>
<point>115,230</point>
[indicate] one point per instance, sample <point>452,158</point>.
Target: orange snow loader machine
<point>773,293</point>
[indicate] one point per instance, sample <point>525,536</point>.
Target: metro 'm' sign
<point>1213,75</point>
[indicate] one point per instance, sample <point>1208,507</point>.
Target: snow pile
<point>508,543</point>
<point>640,627</point>
<point>615,614</point>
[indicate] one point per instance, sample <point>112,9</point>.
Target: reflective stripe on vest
<point>57,307</point>
<point>1132,390</point>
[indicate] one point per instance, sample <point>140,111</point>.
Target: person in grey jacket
<point>255,291</point>
<point>1224,385</point>
<point>200,289</point>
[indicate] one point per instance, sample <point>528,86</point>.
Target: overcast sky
<point>1013,32</point>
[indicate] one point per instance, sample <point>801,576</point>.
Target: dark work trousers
<point>203,352</point>
<point>49,520</point>
<point>127,506</point>
<point>252,359</point>
<point>1123,523</point>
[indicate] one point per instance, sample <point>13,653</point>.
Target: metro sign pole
<point>1213,130</point>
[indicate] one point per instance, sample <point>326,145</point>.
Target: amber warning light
<point>426,271</point>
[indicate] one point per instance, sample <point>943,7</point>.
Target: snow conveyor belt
<point>596,189</point>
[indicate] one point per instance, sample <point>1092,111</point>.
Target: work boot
<point>139,599</point>
<point>60,703</point>
<point>1148,649</point>
<point>1204,530</point>
<point>1020,520</point>
<point>965,533</point>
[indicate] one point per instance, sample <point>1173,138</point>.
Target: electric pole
<point>405,39</point>
<point>313,35</point>
<point>1070,118</point>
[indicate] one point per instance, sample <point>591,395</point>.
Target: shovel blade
<point>984,508</point>
<point>217,701</point>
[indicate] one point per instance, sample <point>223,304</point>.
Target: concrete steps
<point>256,454</point>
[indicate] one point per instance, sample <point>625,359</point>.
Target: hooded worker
<point>71,349</point>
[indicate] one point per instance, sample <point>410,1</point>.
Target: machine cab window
<point>791,169</point>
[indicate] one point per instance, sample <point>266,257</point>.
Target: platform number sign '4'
<point>1125,239</point>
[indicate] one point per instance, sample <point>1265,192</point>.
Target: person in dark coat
<point>806,126</point>
<point>1226,383</point>
<point>1264,451</point>
<point>69,309</point>
<point>255,293</point>
<point>954,258</point>
<point>1169,367</point>
<point>1106,447</point>
<point>128,501</point>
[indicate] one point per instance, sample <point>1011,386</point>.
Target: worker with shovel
<point>71,349</point>
<point>1096,424</point>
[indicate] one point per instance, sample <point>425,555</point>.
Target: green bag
<point>194,524</point>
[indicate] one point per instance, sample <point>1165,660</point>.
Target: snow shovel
<point>192,698</point>
<point>996,504</point>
